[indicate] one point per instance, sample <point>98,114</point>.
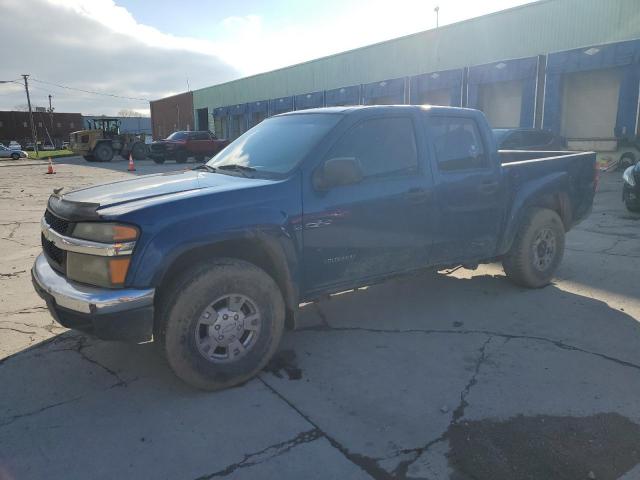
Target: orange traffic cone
<point>50,170</point>
<point>132,167</point>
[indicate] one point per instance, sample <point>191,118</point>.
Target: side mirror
<point>336,172</point>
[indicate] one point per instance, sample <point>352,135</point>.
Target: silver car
<point>6,152</point>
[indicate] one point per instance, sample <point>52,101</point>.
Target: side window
<point>382,146</point>
<point>457,143</point>
<point>513,141</point>
<point>201,136</point>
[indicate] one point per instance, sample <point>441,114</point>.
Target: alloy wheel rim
<point>228,328</point>
<point>544,249</point>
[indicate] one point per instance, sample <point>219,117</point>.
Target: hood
<point>148,186</point>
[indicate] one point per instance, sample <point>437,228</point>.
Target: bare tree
<point>127,112</point>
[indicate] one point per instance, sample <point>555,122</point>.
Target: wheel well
<point>254,251</point>
<point>559,203</point>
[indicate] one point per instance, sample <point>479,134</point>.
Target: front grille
<point>57,258</point>
<point>57,224</point>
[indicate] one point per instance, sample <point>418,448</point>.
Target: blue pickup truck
<point>212,263</point>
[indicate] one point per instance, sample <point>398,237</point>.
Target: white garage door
<point>501,103</point>
<point>590,103</point>
<point>436,97</point>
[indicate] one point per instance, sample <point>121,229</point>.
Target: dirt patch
<point>603,447</point>
<point>284,361</point>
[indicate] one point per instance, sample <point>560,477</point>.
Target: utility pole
<point>50,112</point>
<point>437,10</point>
<point>33,125</point>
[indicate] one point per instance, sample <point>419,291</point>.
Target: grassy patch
<point>44,154</point>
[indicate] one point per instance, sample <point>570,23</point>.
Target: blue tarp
<point>451,79</point>
<point>309,100</point>
<point>343,96</point>
<point>280,105</point>
<point>390,90</point>
<point>625,55</point>
<point>524,69</point>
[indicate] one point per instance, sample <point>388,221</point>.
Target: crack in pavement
<point>367,464</point>
<point>35,412</point>
<point>17,330</point>
<point>603,252</point>
<point>25,310</point>
<point>557,343</point>
<point>401,470</point>
<point>12,274</point>
<point>266,454</point>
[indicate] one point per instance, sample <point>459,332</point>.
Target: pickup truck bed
<point>213,262</point>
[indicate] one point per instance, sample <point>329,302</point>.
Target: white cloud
<point>97,45</point>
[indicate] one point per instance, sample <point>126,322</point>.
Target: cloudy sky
<point>151,49</point>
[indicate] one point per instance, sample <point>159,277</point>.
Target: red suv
<point>179,146</point>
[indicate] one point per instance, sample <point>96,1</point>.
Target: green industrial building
<point>572,66</point>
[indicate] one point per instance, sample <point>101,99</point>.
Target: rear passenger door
<point>469,191</point>
<point>376,227</point>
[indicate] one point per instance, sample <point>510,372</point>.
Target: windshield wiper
<point>236,167</point>
<point>206,167</point>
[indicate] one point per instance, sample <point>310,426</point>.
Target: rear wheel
<point>221,323</point>
<point>627,159</point>
<point>103,152</point>
<point>15,156</point>
<point>537,249</point>
<point>139,151</point>
<point>89,158</point>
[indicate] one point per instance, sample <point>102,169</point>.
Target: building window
<point>39,124</point>
<point>71,125</point>
<point>58,125</point>
<point>1,124</point>
<point>24,124</point>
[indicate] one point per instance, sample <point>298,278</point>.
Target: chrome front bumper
<point>85,299</point>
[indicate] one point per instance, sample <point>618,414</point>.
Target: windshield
<point>178,136</point>
<point>278,144</point>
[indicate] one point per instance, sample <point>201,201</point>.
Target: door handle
<point>418,195</point>
<point>488,187</point>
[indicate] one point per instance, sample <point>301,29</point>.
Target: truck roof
<point>357,108</point>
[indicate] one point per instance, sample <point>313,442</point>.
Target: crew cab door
<point>379,225</point>
<point>469,188</point>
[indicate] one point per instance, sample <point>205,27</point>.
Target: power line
<point>90,91</point>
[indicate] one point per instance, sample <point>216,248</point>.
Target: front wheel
<point>537,249</point>
<point>15,156</point>
<point>221,323</point>
<point>103,152</point>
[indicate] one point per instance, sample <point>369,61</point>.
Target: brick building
<point>15,126</point>
<point>171,114</point>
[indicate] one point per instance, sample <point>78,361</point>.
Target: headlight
<point>105,232</point>
<point>627,176</point>
<point>101,270</point>
<point>109,272</point>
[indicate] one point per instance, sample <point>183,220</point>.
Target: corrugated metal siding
<point>538,28</point>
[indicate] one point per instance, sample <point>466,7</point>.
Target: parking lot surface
<point>450,375</point>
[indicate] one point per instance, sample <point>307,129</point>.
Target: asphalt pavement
<point>451,375</point>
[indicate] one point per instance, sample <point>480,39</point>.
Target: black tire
<point>182,157</point>
<point>187,300</point>
<point>124,154</point>
<point>139,151</point>
<point>632,206</point>
<point>89,158</point>
<point>103,152</point>
<point>537,249</point>
<point>627,159</point>
<point>15,156</point>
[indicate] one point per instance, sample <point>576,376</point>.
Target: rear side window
<point>457,143</point>
<point>382,146</point>
<point>200,136</point>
